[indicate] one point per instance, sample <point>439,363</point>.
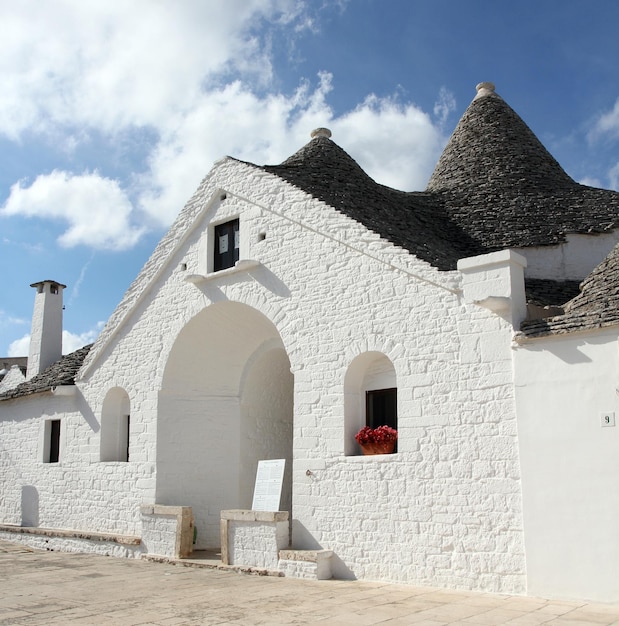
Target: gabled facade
<point>281,306</point>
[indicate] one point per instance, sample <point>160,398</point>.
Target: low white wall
<point>74,544</point>
<point>167,530</point>
<point>254,538</point>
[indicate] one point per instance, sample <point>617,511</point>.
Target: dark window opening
<point>127,428</point>
<point>226,245</point>
<point>54,441</point>
<point>381,408</point>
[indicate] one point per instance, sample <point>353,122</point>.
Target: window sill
<point>241,265</point>
<point>368,458</point>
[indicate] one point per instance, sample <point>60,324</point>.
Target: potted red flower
<point>379,440</point>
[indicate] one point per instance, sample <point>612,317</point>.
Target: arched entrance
<point>226,402</point>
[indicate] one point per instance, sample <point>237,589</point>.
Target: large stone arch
<point>226,401</point>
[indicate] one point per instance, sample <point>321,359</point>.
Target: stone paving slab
<point>38,587</point>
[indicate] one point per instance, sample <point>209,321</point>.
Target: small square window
<point>227,244</point>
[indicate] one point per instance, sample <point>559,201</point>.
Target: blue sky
<point>111,112</point>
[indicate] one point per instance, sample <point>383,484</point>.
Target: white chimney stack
<point>46,334</point>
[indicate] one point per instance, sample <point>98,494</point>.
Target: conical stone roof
<point>415,221</point>
<point>494,187</point>
<point>492,148</point>
<point>504,189</point>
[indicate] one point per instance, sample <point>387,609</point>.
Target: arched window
<point>370,396</point>
<point>115,426</point>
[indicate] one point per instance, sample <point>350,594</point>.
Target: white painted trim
<point>242,265</point>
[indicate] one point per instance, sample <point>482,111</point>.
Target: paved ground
<point>70,589</point>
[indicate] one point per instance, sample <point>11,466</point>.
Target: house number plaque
<point>608,419</point>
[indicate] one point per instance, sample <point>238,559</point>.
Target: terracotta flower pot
<point>378,448</point>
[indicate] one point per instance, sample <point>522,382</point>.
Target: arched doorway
<point>226,402</point>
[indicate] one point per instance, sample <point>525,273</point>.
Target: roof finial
<point>484,89</point>
<point>321,132</point>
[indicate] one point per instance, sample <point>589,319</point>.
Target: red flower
<point>382,434</point>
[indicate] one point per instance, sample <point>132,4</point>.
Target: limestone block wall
<point>167,530</point>
<point>78,492</point>
<point>444,510</point>
<point>254,538</point>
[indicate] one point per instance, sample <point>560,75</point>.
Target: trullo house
<point>291,305</point>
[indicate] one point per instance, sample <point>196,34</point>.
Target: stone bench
<point>167,530</point>
<point>314,564</point>
<point>253,538</point>
<point>109,544</point>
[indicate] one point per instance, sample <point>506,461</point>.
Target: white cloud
<point>96,208</point>
<point>397,144</point>
<point>590,181</point>
<point>19,347</point>
<point>70,342</point>
<point>613,176</point>
<point>194,73</point>
<point>116,64</point>
<point>6,319</point>
<point>444,106</point>
<point>607,125</point>
<point>75,291</point>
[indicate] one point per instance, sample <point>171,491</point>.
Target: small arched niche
<point>370,396</point>
<point>115,426</point>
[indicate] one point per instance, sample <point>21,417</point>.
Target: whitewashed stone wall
<point>445,510</point>
<point>565,388</point>
<point>572,260</point>
<point>254,538</point>
<point>75,545</point>
<point>78,492</point>
<point>167,531</point>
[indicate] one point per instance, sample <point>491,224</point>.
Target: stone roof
<point>596,306</point>
<point>62,372</point>
<point>546,292</point>
<point>416,221</point>
<point>505,189</point>
<point>495,186</point>
<point>6,362</point>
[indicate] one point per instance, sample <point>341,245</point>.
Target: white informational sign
<point>268,487</point>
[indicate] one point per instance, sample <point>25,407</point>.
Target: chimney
<point>46,334</point>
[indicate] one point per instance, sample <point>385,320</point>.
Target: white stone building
<point>290,304</point>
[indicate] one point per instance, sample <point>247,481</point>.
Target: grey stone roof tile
<point>596,306</point>
<point>416,221</point>
<point>62,372</point>
<point>546,292</point>
<point>495,186</point>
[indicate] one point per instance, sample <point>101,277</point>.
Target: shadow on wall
<point>304,540</point>
<point>29,506</point>
<point>88,414</point>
